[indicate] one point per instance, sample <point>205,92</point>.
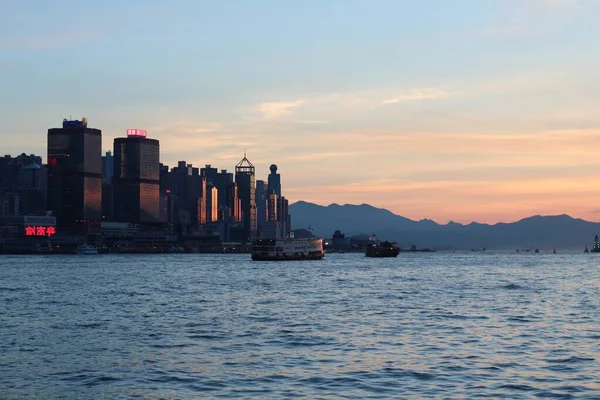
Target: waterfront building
<point>107,186</point>
<point>278,218</point>
<point>136,178</point>
<point>261,206</point>
<point>75,176</point>
<point>186,190</point>
<point>10,168</point>
<point>26,233</point>
<point>31,189</point>
<point>212,203</point>
<point>274,180</point>
<point>246,185</point>
<point>9,204</point>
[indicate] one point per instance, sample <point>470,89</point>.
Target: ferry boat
<point>287,249</point>
<point>86,249</point>
<point>385,249</point>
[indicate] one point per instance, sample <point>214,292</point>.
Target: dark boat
<point>596,245</point>
<point>385,249</point>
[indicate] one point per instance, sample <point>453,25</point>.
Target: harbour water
<point>424,325</point>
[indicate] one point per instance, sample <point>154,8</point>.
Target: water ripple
<point>188,326</point>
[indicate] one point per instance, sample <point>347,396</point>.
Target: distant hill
<point>543,232</point>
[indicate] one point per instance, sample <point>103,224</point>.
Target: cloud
<point>273,110</point>
<point>417,95</point>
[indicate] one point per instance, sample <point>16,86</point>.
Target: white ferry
<point>288,249</point>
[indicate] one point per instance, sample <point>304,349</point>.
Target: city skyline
<point>473,111</point>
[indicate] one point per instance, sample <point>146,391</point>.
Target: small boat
<point>385,249</point>
<point>86,249</point>
<point>554,251</point>
<point>586,249</point>
<point>596,245</point>
<point>287,249</point>
<point>537,250</point>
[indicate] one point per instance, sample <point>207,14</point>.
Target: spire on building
<point>244,166</point>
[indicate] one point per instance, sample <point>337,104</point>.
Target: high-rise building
<point>186,190</point>
<point>212,204</point>
<point>245,180</point>
<point>223,181</point>
<point>261,205</point>
<point>274,181</point>
<point>108,172</point>
<point>136,178</point>
<point>75,176</point>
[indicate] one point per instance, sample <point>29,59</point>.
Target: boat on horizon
<point>384,249</point>
<point>86,249</point>
<point>595,246</point>
<point>289,249</point>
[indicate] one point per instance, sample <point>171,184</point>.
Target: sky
<point>463,110</point>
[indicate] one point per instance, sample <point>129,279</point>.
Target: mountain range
<point>543,232</point>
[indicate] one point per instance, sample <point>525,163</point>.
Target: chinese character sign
<point>40,231</point>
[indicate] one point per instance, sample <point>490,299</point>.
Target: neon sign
<point>137,132</point>
<point>40,231</point>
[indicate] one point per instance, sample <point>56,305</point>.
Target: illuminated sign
<point>137,132</point>
<point>40,231</point>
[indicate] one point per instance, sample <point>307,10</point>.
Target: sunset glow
<point>471,111</point>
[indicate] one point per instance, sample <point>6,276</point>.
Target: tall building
<point>261,205</point>
<point>274,181</point>
<point>136,178</point>
<point>277,214</point>
<point>75,176</point>
<point>245,181</point>
<point>223,181</point>
<point>186,191</point>
<point>108,172</point>
<point>212,204</point>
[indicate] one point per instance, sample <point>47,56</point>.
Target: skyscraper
<point>108,172</point>
<point>136,178</point>
<point>75,175</point>
<point>261,205</point>
<point>186,190</point>
<point>245,181</point>
<point>274,181</point>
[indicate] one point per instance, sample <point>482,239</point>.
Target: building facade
<point>75,176</point>
<point>246,186</point>
<point>136,179</point>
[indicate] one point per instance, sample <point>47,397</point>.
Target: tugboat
<point>287,249</point>
<point>385,249</point>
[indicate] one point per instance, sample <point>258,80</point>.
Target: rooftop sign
<point>137,132</point>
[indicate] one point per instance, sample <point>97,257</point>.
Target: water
<point>207,326</point>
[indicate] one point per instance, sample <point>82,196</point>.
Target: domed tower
<point>274,184</point>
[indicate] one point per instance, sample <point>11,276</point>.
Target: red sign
<point>40,231</point>
<point>137,132</point>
